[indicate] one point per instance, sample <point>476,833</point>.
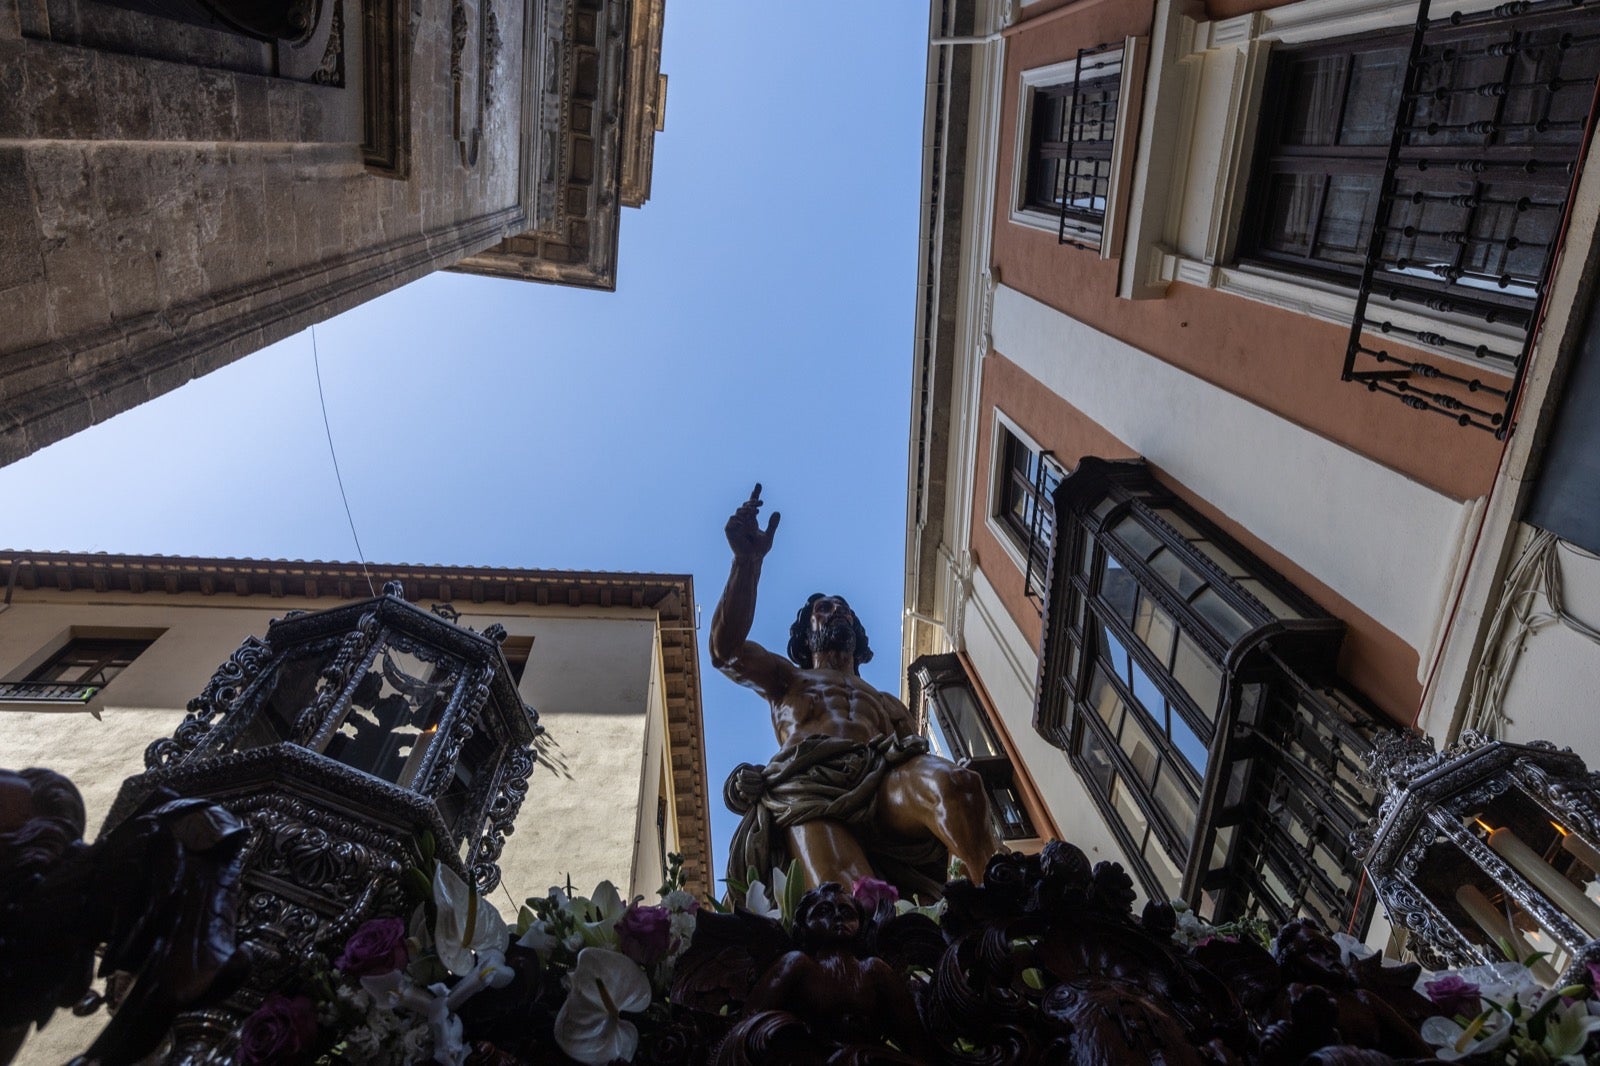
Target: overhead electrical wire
<point>316,362</point>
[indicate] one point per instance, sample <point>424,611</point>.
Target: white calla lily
<point>598,923</point>
<point>468,924</point>
<point>590,1027</point>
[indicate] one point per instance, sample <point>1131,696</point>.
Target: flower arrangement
<point>443,986</point>
<point>599,979</point>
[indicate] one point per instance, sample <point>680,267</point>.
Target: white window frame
<point>998,474</point>
<point>1209,79</point>
<point>1129,63</point>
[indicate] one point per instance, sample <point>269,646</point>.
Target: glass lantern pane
<point>394,713</point>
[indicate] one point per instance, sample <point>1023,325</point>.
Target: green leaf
<point>417,884</point>
<point>430,847</point>
<point>1033,977</point>
<point>736,886</point>
<point>793,889</point>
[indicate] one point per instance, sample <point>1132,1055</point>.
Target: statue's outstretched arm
<point>732,651</point>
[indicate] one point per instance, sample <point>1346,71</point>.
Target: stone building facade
<point>180,188</point>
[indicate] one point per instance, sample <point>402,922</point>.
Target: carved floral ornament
<point>1488,848</point>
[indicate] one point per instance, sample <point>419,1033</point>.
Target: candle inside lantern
<point>1500,930</point>
<point>1543,877</point>
<point>1579,849</point>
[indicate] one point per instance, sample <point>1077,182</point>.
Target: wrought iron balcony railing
<point>46,692</point>
<point>1488,137</point>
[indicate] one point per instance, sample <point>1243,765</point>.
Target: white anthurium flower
<point>757,901</point>
<point>590,1026</point>
<point>468,924</point>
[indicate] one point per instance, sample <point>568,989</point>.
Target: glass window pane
<point>1168,873</point>
<point>1291,213</point>
<point>1154,626</point>
<point>1097,760</point>
<point>1373,98</point>
<point>1136,537</point>
<point>1118,589</point>
<point>1141,749</point>
<point>1128,810</point>
<point>1177,575</point>
<point>1225,562</point>
<point>1313,92</point>
<point>1221,849</point>
<point>1200,677</point>
<point>1189,745</point>
<point>1147,694</point>
<point>1112,651</point>
<point>1172,518</point>
<point>1269,599</point>
<point>1229,623</point>
<point>1106,703</point>
<point>1177,803</point>
<point>1347,211</point>
<point>960,710</point>
<point>1086,554</point>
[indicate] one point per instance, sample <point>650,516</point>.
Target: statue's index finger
<point>755,493</point>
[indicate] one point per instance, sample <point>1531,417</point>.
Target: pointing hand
<point>745,535</point>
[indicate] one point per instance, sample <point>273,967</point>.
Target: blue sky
<point>761,331</point>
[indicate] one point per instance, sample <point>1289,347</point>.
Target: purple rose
<point>1454,996</point>
<point>869,892</point>
<point>644,933</point>
<point>376,948</point>
<point>282,1031</point>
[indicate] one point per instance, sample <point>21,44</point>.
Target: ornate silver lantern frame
<point>339,739</point>
<point>1487,846</point>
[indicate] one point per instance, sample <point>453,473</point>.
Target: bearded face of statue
<point>832,626</point>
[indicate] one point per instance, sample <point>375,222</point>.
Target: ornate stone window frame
<point>1205,87</point>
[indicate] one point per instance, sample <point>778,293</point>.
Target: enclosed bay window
<point>961,731</point>
<point>1193,690</point>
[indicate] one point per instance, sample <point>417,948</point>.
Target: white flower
<point>598,922</point>
<point>397,991</point>
<point>1566,1031</point>
<point>589,1026</point>
<point>757,901</point>
<point>1352,950</point>
<point>468,923</point>
<point>539,938</point>
<point>490,972</point>
<point>934,911</point>
<point>680,902</point>
<point>417,1045</point>
<point>1484,1033</point>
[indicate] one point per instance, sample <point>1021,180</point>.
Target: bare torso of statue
<point>817,692</point>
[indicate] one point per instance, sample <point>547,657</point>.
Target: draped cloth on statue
<point>835,779</point>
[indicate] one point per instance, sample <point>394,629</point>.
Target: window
<point>1074,149</point>
<point>962,732</point>
<point>1175,670</point>
<point>1482,171</point>
<point>1069,151</point>
<point>1025,478</point>
<point>77,672</point>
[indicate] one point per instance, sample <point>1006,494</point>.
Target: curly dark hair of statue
<point>800,635</point>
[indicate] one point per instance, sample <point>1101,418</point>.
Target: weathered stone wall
<point>160,218</point>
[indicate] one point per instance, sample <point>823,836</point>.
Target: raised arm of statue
<point>732,651</point>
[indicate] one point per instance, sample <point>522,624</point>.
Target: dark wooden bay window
<point>1193,690</point>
